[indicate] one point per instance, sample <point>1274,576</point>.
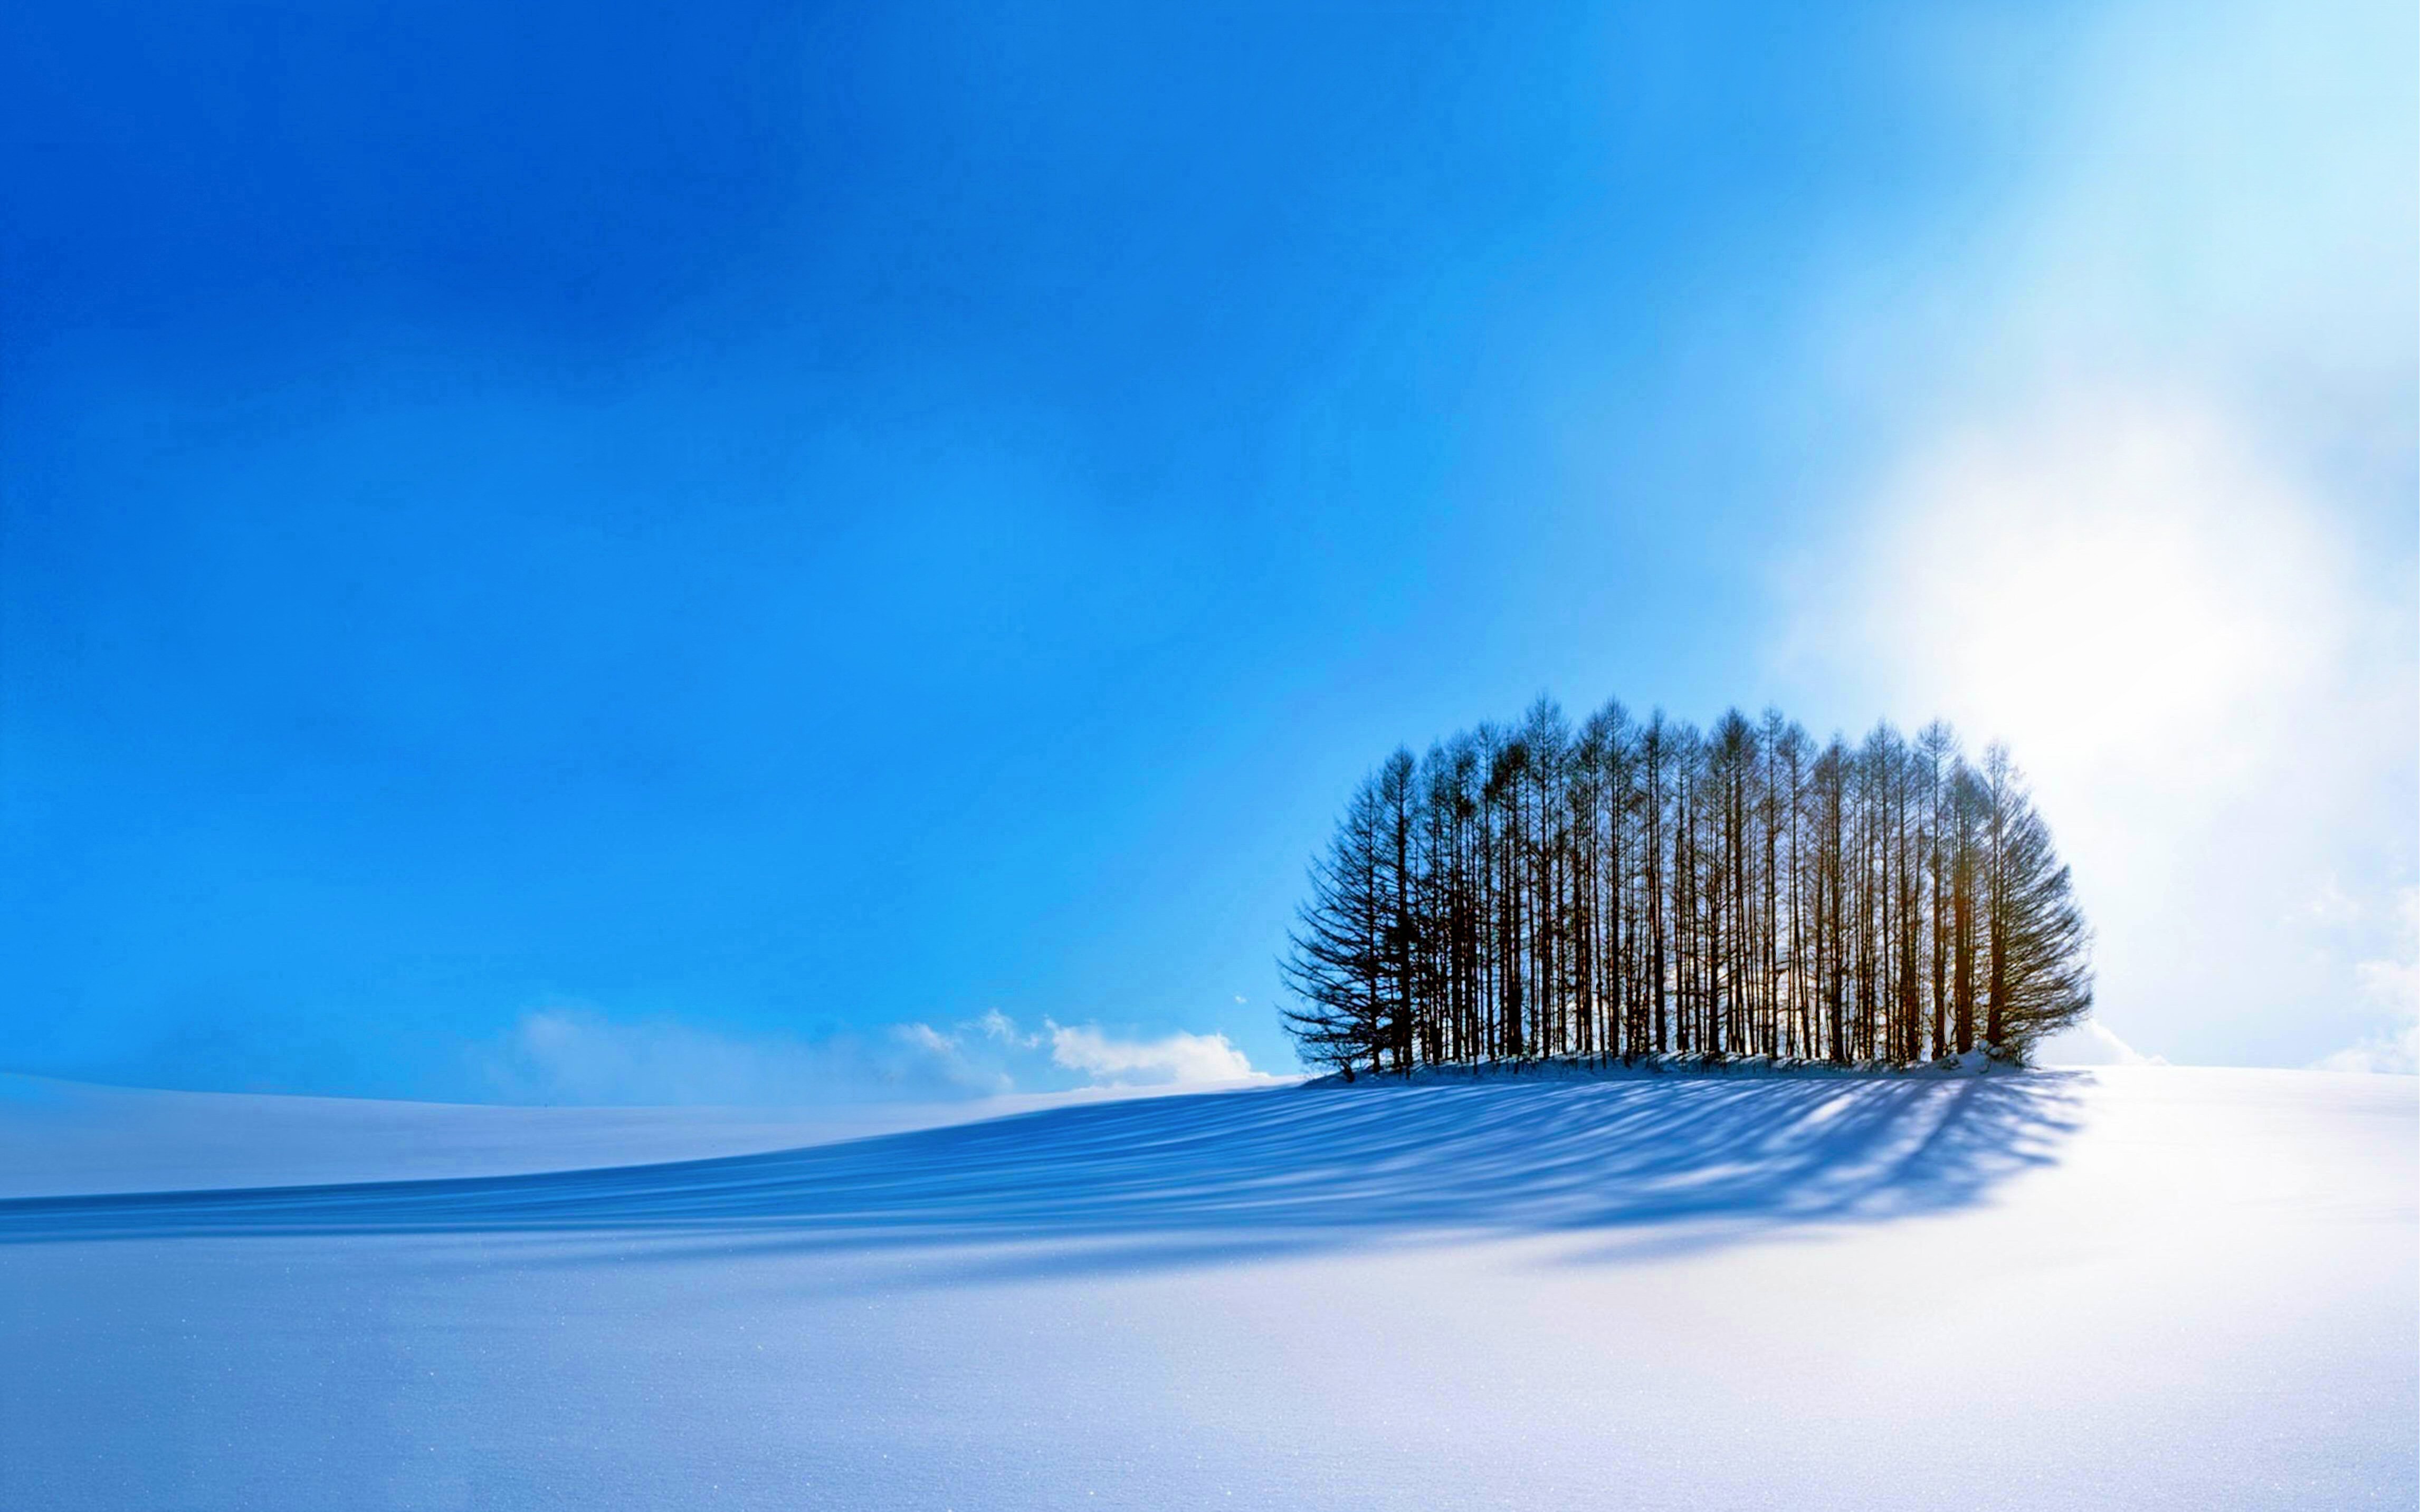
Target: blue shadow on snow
<point>1178,1180</point>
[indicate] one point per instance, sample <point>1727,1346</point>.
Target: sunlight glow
<point>2184,656</point>
<point>2112,589</point>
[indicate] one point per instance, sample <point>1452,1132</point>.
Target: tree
<point>1936,744</point>
<point>2042,975</point>
<point>1965,867</point>
<point>1335,954</point>
<point>1628,888</point>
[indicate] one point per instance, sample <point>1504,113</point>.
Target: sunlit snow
<point>2127,1287</point>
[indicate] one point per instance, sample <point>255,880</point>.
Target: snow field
<point>2130,1287</point>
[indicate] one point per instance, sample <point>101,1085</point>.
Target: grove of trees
<point>1643,887</point>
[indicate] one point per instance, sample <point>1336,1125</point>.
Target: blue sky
<point>601,552</point>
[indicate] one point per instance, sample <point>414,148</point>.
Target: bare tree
<point>1630,889</point>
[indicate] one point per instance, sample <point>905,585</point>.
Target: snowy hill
<point>2137,1286</point>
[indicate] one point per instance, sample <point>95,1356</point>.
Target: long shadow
<point>1167,1179</point>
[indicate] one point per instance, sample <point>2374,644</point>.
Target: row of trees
<point>1634,887</point>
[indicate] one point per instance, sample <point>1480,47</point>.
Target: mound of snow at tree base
<point>1982,1061</point>
<point>2130,1287</point>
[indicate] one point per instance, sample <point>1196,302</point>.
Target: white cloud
<point>999,1025</point>
<point>2394,983</point>
<point>1174,1060</point>
<point>571,1054</point>
<point>2391,1054</point>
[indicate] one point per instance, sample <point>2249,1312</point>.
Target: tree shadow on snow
<point>1654,1163</point>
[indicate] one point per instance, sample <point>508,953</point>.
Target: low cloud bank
<point>574,1055</point>
<point>2391,982</point>
<point>1175,1060</point>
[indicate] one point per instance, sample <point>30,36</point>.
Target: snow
<point>58,1137</point>
<point>2128,1287</point>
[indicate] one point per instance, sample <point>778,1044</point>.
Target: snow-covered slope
<point>2130,1287</point>
<point>64,1137</point>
